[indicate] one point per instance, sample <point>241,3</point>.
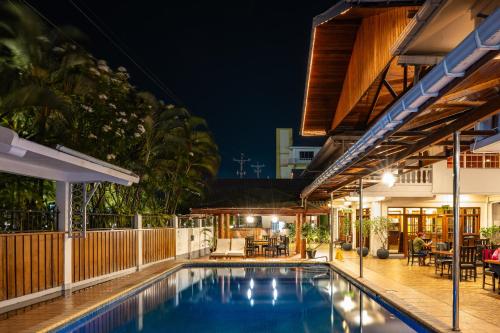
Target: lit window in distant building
<point>306,155</point>
<point>477,161</point>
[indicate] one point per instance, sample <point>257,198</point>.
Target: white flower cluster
<point>87,108</point>
<point>107,128</point>
<point>123,120</point>
<point>103,66</point>
<point>111,105</point>
<point>141,128</point>
<point>58,49</point>
<point>103,97</point>
<point>110,157</point>
<point>92,136</point>
<point>94,71</point>
<point>120,132</point>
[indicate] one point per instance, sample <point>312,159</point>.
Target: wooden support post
<point>227,229</point>
<point>298,227</point>
<point>138,227</point>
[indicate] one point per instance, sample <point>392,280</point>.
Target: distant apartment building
<point>292,158</point>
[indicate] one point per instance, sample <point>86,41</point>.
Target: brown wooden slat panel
<point>61,258</point>
<point>34,264</point>
<point>48,261</point>
<point>3,268</point>
<point>27,263</point>
<point>11,267</point>
<point>19,266</point>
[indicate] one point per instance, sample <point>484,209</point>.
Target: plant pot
<point>365,251</point>
<point>382,253</point>
<point>311,254</point>
<point>347,246</point>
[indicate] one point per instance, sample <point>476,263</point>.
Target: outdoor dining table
<point>442,253</point>
<point>260,243</point>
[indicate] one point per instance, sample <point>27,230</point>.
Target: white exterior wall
<point>283,144</point>
<point>185,247</point>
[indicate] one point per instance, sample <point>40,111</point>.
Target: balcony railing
<point>420,176</point>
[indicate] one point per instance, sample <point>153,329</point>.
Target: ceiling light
<point>388,179</point>
<point>250,219</point>
<point>274,219</point>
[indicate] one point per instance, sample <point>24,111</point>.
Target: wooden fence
<point>34,262</point>
<point>158,244</point>
<point>30,263</point>
<point>103,252</point>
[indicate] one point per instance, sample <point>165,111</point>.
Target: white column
<point>138,226</point>
<point>176,222</point>
<point>63,205</point>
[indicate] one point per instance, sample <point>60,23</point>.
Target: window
<point>306,155</point>
<point>477,161</point>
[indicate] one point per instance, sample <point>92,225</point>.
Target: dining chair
<point>468,261</point>
<point>272,247</point>
<point>487,271</point>
<point>412,255</point>
<point>284,246</point>
<point>441,261</point>
<point>249,246</point>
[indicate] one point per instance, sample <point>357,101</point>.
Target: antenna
<point>257,168</point>
<point>241,172</point>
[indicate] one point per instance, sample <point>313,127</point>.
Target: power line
<point>144,70</point>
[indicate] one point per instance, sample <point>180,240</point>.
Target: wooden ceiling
<point>465,102</point>
<point>333,41</point>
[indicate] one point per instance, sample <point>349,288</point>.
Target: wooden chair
<point>412,255</point>
<point>284,246</point>
<point>468,261</point>
<point>249,246</point>
<point>440,260</point>
<point>272,247</point>
<point>487,271</point>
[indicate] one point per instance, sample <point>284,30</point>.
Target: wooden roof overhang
<point>334,35</point>
<point>283,211</point>
<point>458,107</point>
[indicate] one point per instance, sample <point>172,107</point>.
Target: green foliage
<point>380,226</point>
<point>346,222</point>
<point>366,228</point>
<point>492,233</point>
<point>55,92</point>
<point>314,236</point>
<point>292,228</point>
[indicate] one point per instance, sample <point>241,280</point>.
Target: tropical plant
<point>346,222</point>
<point>366,228</point>
<point>314,236</point>
<point>380,226</point>
<point>54,92</point>
<point>492,233</point>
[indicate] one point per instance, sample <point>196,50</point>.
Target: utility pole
<point>241,161</point>
<point>257,168</point>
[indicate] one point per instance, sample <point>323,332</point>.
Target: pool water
<point>251,299</point>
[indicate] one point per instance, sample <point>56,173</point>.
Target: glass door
<point>395,232</point>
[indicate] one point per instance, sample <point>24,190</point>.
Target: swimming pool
<point>246,299</point>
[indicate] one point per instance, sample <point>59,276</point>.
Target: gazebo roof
<point>27,158</point>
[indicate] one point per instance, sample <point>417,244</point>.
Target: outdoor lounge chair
<point>223,246</point>
<point>237,248</point>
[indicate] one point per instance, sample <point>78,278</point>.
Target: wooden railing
<point>158,244</point>
<point>103,252</point>
<point>30,262</point>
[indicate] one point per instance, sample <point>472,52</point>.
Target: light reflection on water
<point>252,299</point>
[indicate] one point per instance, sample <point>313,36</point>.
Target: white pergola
<point>77,176</point>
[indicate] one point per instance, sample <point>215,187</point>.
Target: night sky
<point>239,64</point>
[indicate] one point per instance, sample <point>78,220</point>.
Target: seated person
<point>421,247</point>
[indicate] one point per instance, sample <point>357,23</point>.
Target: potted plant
<point>314,238</point>
<point>380,227</point>
<point>346,229</point>
<point>366,232</point>
<point>492,233</point>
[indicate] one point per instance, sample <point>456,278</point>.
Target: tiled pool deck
<point>414,288</point>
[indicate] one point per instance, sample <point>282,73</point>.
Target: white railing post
<point>176,221</point>
<point>63,205</point>
<point>138,227</point>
